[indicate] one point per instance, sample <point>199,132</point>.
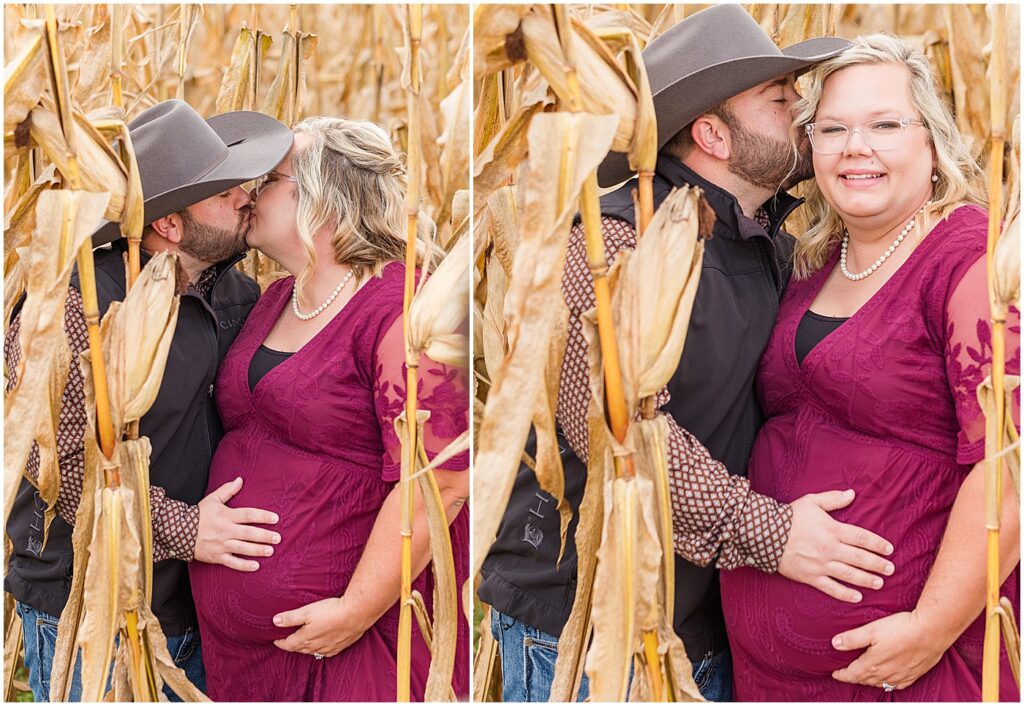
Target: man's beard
<point>210,244</point>
<point>766,162</point>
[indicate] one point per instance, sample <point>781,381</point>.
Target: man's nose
<point>242,198</point>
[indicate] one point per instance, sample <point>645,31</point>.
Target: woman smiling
<point>869,382</point>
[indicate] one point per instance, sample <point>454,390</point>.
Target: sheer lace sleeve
<point>969,356</point>
<point>441,389</point>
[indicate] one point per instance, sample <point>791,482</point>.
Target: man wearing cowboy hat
<point>191,171</point>
<point>723,95</point>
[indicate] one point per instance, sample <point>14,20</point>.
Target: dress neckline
<point>817,281</point>
<point>276,307</point>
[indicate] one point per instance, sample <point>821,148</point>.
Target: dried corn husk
<point>1006,264</point>
<point>534,305</point>
<point>654,295</point>
<point>24,82</point>
<point>438,310</point>
<point>111,585</point>
<point>496,163</point>
<point>286,97</point>
<point>100,171</point>
<point>238,89</point>
<point>66,648</point>
<point>453,142</point>
<point>12,645</point>
<point>137,336</point>
<point>486,670</point>
<point>497,38</point>
<point>604,87</point>
<point>1010,453</point>
<point>94,63</point>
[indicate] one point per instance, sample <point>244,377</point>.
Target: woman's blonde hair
<point>351,178</point>
<point>960,179</point>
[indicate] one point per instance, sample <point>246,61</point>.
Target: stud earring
<point>935,178</point>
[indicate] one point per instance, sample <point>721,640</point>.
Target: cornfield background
<point>351,65</point>
<point>289,61</point>
<point>546,75</point>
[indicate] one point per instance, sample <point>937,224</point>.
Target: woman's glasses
<point>268,179</point>
<point>879,135</point>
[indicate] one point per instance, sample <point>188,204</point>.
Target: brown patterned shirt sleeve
<point>174,522</point>
<point>716,516</point>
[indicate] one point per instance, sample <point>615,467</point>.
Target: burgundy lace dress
<point>314,442</point>
<point>885,405</point>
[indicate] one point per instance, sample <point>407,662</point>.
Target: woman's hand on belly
<point>900,648</point>
<point>326,627</point>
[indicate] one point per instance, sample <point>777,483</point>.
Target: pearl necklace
<point>885,256</point>
<point>320,309</point>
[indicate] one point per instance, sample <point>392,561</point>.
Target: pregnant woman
<point>869,382</point>
<point>308,394</point>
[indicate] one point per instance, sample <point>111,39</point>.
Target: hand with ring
<point>898,650</point>
<point>325,627</point>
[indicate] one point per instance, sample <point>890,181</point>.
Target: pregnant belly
<point>777,624</point>
<point>325,516</point>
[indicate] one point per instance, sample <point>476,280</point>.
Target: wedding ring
<point>887,687</point>
<point>317,655</point>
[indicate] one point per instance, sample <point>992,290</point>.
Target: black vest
<point>182,426</point>
<point>742,277</point>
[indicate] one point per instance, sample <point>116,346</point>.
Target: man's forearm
<point>716,514</point>
<point>954,594</point>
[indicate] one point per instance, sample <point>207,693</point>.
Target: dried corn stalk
<point>433,313</point>
<point>999,394</point>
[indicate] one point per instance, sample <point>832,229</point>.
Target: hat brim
<point>680,103</point>
<point>256,144</point>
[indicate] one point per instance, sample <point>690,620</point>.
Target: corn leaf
<point>74,215</point>
<point>534,305</point>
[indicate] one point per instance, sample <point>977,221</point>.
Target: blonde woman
<point>869,382</point>
<point>308,394</point>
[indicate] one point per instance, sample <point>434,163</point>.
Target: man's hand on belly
<point>225,532</point>
<point>821,551</point>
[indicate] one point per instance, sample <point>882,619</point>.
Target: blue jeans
<point>527,660</point>
<point>714,676</point>
<point>40,635</point>
<point>528,664</point>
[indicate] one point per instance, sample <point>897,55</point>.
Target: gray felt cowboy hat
<point>184,159</point>
<point>707,58</point>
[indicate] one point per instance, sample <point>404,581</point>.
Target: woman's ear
<point>711,136</point>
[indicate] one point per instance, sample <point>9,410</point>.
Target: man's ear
<point>711,135</point>
<point>169,228</point>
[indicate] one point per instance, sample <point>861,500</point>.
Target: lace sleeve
<point>969,357</point>
<point>441,389</point>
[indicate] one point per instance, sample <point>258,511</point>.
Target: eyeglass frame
<point>262,181</point>
<point>903,121</point>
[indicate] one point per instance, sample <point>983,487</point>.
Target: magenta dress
<point>885,405</point>
<point>314,442</point>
